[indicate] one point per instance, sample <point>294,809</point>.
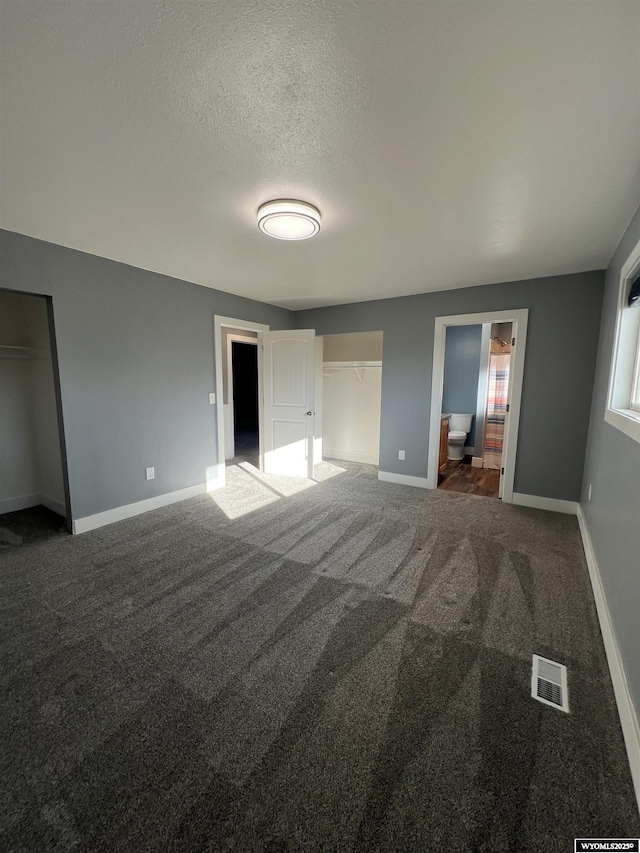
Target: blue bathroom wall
<point>461,372</point>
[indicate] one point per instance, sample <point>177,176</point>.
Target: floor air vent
<point>549,683</point>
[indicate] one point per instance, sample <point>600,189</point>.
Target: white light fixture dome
<point>289,220</point>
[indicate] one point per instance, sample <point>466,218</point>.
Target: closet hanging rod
<point>331,370</point>
<point>349,365</point>
<point>330,367</point>
<point>19,353</point>
<point>499,341</point>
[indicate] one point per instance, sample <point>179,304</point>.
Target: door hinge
<point>513,342</point>
<point>508,406</point>
<point>502,471</point>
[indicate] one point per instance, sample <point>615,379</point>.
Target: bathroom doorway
<point>474,400</point>
<point>480,456</point>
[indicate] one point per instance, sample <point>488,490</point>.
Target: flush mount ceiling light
<point>289,220</point>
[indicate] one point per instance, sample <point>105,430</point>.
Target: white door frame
<point>216,474</point>
<point>519,318</point>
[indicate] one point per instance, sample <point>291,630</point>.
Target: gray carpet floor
<point>297,666</point>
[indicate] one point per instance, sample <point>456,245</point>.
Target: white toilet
<point>459,428</point>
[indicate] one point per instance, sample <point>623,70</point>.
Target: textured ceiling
<point>447,144</point>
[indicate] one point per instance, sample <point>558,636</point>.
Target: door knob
<point>309,414</point>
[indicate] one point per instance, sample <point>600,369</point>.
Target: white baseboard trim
<point>350,457</point>
<point>22,502</point>
<point>54,505</point>
<point>404,479</point>
<point>551,504</point>
<point>477,462</point>
<point>626,711</point>
<point>119,513</point>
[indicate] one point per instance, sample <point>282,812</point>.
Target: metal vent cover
<point>549,683</point>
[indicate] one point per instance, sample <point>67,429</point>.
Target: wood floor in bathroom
<point>459,476</point>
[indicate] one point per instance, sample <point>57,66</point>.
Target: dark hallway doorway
<point>244,363</point>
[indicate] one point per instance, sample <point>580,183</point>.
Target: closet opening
<point>351,396</point>
<point>34,490</point>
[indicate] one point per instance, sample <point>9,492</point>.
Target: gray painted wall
<point>136,359</point>
<point>136,362</point>
<point>461,372</point>
<point>613,469</point>
<point>564,318</point>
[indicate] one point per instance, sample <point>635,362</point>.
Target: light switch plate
<point>150,473</point>
<point>212,398</point>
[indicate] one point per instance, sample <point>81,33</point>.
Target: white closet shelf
<point>346,364</point>
<point>18,352</point>
<point>21,353</point>
<point>331,366</point>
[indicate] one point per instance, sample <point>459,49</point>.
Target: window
<point>635,391</point>
<point>623,400</point>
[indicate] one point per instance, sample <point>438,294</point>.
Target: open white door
<point>288,367</point>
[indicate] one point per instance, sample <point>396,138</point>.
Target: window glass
<point>623,401</point>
